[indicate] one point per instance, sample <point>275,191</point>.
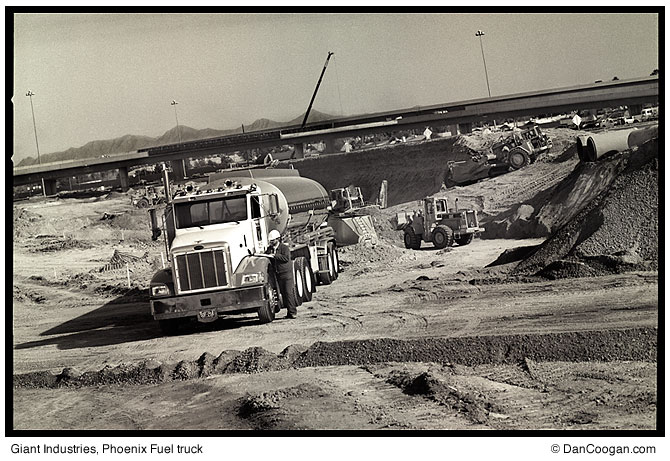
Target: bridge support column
<point>464,128</point>
<point>453,129</point>
<point>178,169</point>
<point>330,146</point>
<point>49,187</point>
<point>298,151</point>
<point>635,109</point>
<point>123,178</point>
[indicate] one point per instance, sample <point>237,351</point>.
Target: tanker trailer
<point>216,237</point>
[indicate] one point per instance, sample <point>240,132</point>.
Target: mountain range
<point>129,142</point>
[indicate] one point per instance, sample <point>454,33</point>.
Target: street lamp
<point>183,161</point>
<point>480,34</point>
<point>30,94</point>
<point>174,104</point>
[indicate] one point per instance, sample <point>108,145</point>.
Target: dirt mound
<point>475,407</point>
<point>365,253</point>
<point>24,222</point>
<point>254,404</point>
<point>615,232</point>
<point>48,244</point>
<point>584,346</point>
<point>255,360</point>
<point>513,255</point>
<point>384,228</point>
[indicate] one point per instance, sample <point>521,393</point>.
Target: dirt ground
<point>403,339</point>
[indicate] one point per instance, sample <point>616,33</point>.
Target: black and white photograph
<point>295,222</point>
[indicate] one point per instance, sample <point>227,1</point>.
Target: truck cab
<point>216,238</point>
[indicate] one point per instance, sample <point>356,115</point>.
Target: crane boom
<point>304,121</point>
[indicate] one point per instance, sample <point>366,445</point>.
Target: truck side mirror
<point>274,205</point>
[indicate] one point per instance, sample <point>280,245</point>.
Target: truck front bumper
<point>232,301</point>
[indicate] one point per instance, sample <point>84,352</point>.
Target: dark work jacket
<point>283,263</point>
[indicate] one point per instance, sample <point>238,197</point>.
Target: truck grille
<point>201,270</point>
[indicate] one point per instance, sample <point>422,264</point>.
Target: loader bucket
<point>351,230</point>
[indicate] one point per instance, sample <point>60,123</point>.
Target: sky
<point>101,76</point>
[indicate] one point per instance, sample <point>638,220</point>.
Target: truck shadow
<point>124,319</point>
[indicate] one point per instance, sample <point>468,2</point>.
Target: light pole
<point>30,94</point>
<point>480,34</point>
<point>183,162</point>
<point>174,104</point>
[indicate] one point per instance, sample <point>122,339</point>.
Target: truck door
<point>258,230</point>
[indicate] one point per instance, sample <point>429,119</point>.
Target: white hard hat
<point>274,235</point>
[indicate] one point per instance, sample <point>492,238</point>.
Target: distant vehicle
<point>649,113</point>
<point>438,224</point>
<point>519,149</point>
<point>614,118</point>
<point>588,119</point>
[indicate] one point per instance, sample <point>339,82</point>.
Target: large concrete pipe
<point>600,144</point>
<point>581,146</point>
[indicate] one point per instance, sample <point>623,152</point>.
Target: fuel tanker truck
<point>216,237</point>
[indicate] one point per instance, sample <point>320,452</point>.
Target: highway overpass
<point>460,115</point>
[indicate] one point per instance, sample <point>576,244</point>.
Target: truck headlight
<point>160,290</point>
<point>252,278</point>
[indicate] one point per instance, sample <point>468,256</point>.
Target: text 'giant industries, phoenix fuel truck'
<point>216,237</point>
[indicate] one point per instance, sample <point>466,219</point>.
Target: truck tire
<point>412,241</point>
<point>443,237</point>
<point>326,278</point>
<point>336,261</point>
<point>169,327</point>
<point>518,158</point>
<point>307,279</point>
<point>266,313</point>
<point>464,239</point>
<point>143,203</point>
<point>298,282</point>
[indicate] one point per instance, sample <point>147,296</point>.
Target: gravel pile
<point>631,344</point>
<point>616,232</point>
<point>585,346</point>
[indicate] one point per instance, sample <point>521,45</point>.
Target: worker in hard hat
<point>284,270</point>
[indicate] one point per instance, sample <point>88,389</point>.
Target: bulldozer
<point>349,216</point>
<point>437,223</point>
<point>518,150</point>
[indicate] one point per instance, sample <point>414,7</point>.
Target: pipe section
<point>597,145</point>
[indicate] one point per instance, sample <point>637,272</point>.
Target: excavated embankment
<point>616,231</point>
<point>413,171</point>
<point>607,345</point>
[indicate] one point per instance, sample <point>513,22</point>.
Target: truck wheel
<point>326,278</point>
<point>518,158</point>
<point>266,313</point>
<point>307,279</point>
<point>143,203</point>
<point>336,261</point>
<point>464,239</point>
<point>412,241</point>
<point>443,237</point>
<point>169,327</point>
<point>298,282</point>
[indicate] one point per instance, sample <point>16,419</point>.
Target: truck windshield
<point>206,212</point>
